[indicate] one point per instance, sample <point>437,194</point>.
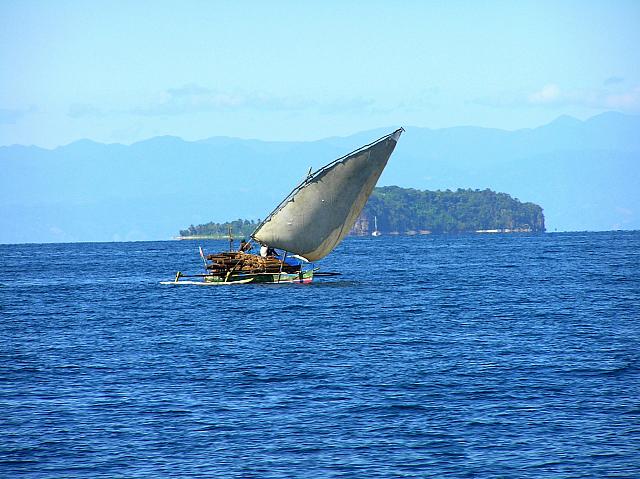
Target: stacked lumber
<point>240,262</point>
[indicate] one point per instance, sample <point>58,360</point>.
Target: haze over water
<point>437,356</point>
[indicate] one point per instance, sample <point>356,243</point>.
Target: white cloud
<point>189,99</point>
<point>629,100</point>
<point>598,98</point>
<point>613,97</point>
<point>548,94</point>
<point>194,98</point>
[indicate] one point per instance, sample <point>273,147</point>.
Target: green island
<point>407,211</point>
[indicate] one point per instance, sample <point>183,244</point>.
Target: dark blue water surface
<point>510,356</point>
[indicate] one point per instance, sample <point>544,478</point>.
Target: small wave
<point>605,372</point>
<point>335,284</point>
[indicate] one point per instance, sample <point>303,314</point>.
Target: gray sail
<point>318,214</point>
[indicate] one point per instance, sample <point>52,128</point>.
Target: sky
<point>124,71</point>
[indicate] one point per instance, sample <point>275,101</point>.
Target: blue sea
<point>470,356</point>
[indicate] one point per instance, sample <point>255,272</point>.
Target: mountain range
<point>585,174</point>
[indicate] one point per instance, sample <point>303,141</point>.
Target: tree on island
<point>239,228</point>
<point>464,210</point>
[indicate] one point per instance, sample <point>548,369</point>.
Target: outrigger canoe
<point>306,226</point>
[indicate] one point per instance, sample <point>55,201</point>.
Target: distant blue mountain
<point>585,174</point>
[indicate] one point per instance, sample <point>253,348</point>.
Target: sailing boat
<point>375,227</point>
<point>307,225</point>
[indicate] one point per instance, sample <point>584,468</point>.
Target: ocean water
<point>497,356</point>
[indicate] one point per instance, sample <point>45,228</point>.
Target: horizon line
<point>176,239</point>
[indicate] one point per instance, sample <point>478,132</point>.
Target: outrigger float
<point>306,226</point>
